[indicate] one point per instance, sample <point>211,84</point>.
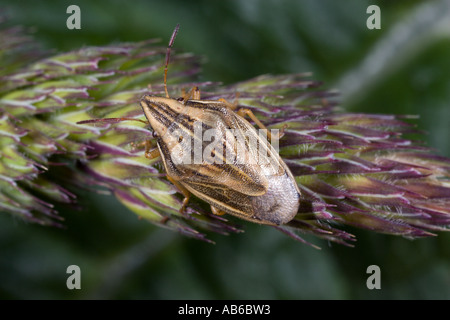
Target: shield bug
<point>211,151</point>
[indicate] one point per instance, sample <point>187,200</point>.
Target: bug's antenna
<point>172,40</point>
<point>111,120</point>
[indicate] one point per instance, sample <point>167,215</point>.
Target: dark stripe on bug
<point>219,107</point>
<point>158,110</point>
<point>158,116</point>
<point>169,112</point>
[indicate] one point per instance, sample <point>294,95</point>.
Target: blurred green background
<point>404,68</point>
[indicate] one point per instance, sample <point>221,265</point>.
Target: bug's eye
<point>155,134</point>
<point>180,138</point>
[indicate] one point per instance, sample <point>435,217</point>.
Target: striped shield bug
<point>210,150</point>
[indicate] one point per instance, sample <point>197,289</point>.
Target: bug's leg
<point>280,133</point>
<point>216,211</point>
<point>233,106</point>
<point>152,154</point>
<point>184,191</point>
<point>149,152</point>
<point>144,144</point>
<point>194,93</point>
<point>139,145</point>
<point>247,112</point>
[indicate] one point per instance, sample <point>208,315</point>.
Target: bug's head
<point>161,112</point>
